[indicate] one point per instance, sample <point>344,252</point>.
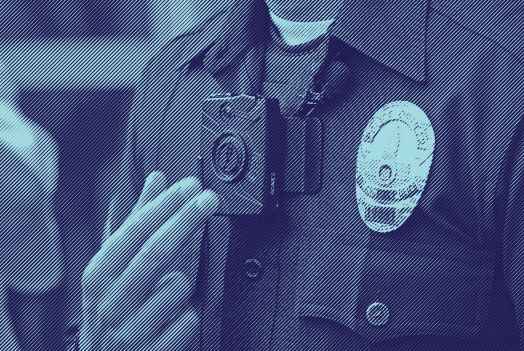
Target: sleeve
<point>513,228</point>
<point>127,175</point>
<point>123,186</point>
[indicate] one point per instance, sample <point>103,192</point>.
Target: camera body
<point>242,152</point>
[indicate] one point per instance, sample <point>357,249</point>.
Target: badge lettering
<point>393,164</point>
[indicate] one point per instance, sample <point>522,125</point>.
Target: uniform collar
<point>390,32</point>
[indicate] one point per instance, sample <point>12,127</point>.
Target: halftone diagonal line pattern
<point>436,273</point>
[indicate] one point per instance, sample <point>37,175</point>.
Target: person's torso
<point>319,278</point>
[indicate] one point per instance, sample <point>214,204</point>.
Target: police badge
<point>393,163</point>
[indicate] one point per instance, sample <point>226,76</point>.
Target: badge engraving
<point>393,163</point>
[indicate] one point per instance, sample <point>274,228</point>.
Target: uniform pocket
<point>390,293</point>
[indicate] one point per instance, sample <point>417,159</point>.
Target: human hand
<point>137,288</point>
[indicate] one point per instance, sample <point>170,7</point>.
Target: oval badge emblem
<point>393,163</point>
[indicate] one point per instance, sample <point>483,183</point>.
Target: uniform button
<point>253,268</point>
<point>377,314</point>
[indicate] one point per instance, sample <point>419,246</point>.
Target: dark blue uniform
<point>451,277</point>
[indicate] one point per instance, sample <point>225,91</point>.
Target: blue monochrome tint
<point>262,175</point>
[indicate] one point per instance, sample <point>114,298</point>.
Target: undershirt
<point>287,74</point>
<point>297,33</point>
<point>289,69</point>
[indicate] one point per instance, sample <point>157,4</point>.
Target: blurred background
<point>76,64</point>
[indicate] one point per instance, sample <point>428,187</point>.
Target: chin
<point>301,10</point>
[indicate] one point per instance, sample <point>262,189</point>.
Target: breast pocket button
<point>377,314</point>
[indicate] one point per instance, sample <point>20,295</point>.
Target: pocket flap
<point>388,294</point>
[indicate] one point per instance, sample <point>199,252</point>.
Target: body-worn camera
<point>242,151</point>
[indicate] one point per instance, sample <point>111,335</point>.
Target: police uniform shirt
<point>449,278</point>
<point>288,70</point>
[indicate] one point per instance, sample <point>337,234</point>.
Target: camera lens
<point>229,157</point>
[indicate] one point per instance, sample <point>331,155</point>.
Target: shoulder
<point>500,22</point>
<point>159,79</point>
<point>189,45</point>
<point>161,72</point>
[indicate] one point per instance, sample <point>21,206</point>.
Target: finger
<point>120,248</point>
<point>179,335</point>
<point>154,185</point>
<point>164,248</point>
<point>165,305</point>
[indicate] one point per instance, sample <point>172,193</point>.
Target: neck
<point>305,10</point>
<point>296,33</point>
